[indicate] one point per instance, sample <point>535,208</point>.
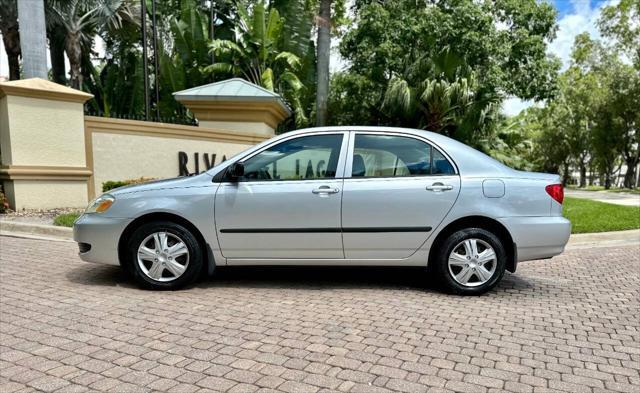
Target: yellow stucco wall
<point>46,194</point>
<point>243,127</point>
<point>45,132</point>
<point>120,149</point>
<point>53,156</point>
<point>5,142</point>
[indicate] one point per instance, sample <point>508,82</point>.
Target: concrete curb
<point>16,228</point>
<point>604,239</point>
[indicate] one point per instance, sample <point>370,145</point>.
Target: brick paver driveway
<point>568,324</point>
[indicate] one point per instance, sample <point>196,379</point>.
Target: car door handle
<point>326,190</point>
<point>437,187</point>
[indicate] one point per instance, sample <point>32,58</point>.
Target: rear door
<point>397,189</point>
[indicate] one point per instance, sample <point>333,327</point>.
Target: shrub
<point>111,184</point>
<point>4,204</point>
<point>66,219</point>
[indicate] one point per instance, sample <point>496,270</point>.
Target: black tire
<point>444,274</point>
<point>194,258</point>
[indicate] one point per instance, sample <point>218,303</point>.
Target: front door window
<point>304,158</point>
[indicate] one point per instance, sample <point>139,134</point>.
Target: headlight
<point>101,204</point>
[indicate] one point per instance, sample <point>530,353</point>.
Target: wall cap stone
<point>235,100</point>
<point>41,88</point>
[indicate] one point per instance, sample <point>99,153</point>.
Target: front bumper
<point>98,237</point>
<point>538,237</point>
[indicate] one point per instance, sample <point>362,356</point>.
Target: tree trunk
<point>608,173</point>
<point>324,49</point>
<point>565,174</point>
<point>630,175</point>
<point>56,52</point>
<point>12,47</point>
<point>74,53</point>
<point>33,38</point>
<point>583,175</point>
<point>629,178</point>
<point>11,40</point>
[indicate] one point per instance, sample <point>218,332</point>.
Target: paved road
<point>567,324</point>
<point>617,198</point>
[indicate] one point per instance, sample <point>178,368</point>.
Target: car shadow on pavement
<point>293,277</point>
<point>100,275</point>
<point>319,277</point>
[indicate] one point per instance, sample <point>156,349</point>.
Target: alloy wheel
<point>163,256</point>
<point>472,262</point>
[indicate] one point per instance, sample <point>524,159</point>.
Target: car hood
<point>176,182</point>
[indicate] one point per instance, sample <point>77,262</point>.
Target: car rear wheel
<point>470,262</point>
<point>164,255</point>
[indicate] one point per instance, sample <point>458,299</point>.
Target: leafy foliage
<point>256,53</point>
<point>66,219</point>
<point>445,65</point>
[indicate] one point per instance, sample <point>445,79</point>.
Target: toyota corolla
<point>334,196</point>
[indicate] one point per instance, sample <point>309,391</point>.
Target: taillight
<point>556,192</point>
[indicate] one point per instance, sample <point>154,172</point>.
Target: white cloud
<point>512,106</point>
<point>584,18</point>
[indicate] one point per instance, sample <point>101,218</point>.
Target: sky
<point>574,17</point>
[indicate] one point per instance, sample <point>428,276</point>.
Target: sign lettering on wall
<point>209,162</point>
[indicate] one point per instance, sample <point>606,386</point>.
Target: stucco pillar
<point>237,105</point>
<point>42,145</point>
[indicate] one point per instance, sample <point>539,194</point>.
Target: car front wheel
<point>164,255</point>
<point>470,262</point>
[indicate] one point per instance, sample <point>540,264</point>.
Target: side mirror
<point>235,171</point>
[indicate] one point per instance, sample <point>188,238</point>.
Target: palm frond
<point>292,60</point>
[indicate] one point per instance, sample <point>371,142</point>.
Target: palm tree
<point>324,49</point>
<point>254,53</point>
<point>33,38</point>
<point>441,94</point>
<point>80,21</point>
<point>11,35</point>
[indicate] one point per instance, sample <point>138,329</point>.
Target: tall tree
<point>622,22</point>
<point>502,42</point>
<point>80,21</point>
<point>440,94</point>
<point>324,54</point>
<point>11,35</point>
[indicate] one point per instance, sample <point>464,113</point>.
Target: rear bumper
<point>98,237</point>
<point>538,237</point>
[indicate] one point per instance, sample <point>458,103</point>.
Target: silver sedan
<point>334,196</point>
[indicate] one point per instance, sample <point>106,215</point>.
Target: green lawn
<point>66,219</point>
<point>592,216</point>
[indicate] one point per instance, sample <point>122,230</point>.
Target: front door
<point>400,189</point>
<point>287,204</point>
